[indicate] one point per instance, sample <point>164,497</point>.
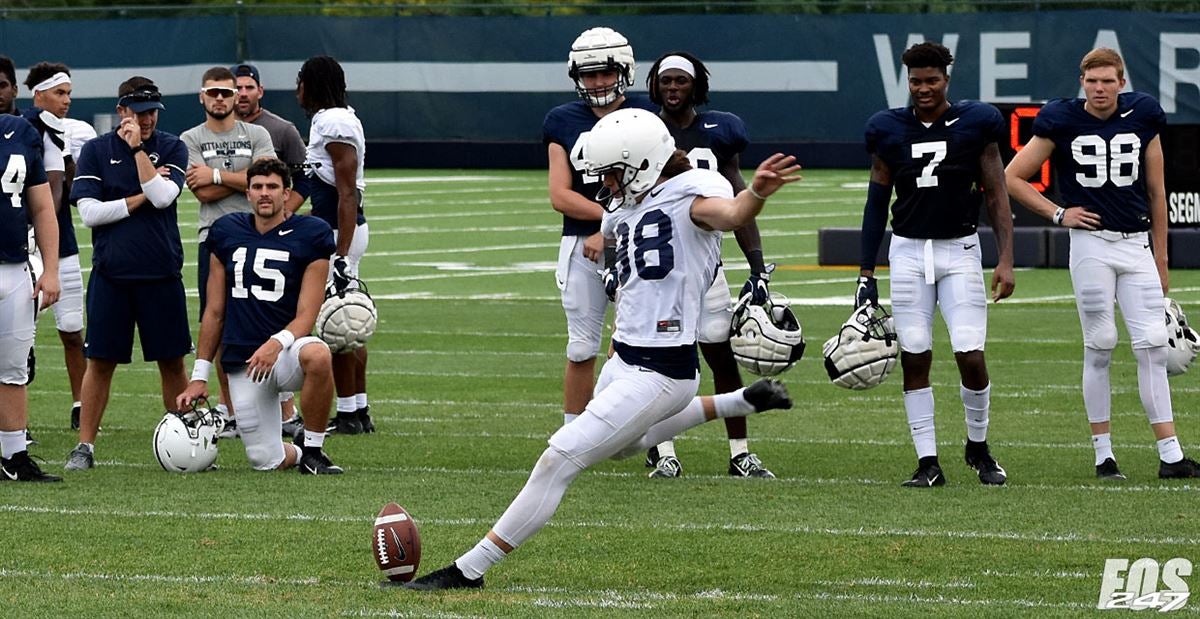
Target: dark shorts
<point>157,307</point>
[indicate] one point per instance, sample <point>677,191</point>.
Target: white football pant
<point>946,273</point>
<point>717,312</point>
<point>1108,265</point>
<point>16,322</point>
<point>259,417</point>
<point>68,311</point>
<point>583,299</point>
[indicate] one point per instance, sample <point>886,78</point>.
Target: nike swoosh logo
<point>933,480</point>
<point>114,161</point>
<point>310,469</point>
<point>12,476</point>
<point>708,126</point>
<point>654,193</point>
<point>286,232</point>
<point>969,247</point>
<point>952,121</point>
<point>1127,113</point>
<point>7,136</point>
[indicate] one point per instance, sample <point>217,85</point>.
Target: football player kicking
<point>265,286</point>
<point>1106,147</point>
<point>667,230</point>
<point>713,140</point>
<point>936,154</point>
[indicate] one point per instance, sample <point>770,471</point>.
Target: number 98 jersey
<point>935,169</point>
<point>20,168</point>
<point>1100,162</point>
<point>665,262</point>
<point>263,275</point>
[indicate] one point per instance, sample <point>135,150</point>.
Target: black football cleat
<point>767,394</point>
<point>748,465</point>
<point>345,423</point>
<point>449,577</point>
<point>652,457</point>
<point>22,468</point>
<point>1108,470</point>
<point>979,458</point>
<point>75,417</point>
<point>667,467</point>
<point>364,419</point>
<point>80,459</point>
<point>927,475</point>
<point>316,462</point>
<point>293,427</point>
<point>1177,470</point>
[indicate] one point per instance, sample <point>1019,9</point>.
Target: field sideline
<point>465,387</point>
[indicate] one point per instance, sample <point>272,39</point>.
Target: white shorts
<point>717,313</point>
<point>68,312</point>
<point>16,322</point>
<point>947,273</point>
<point>1107,265</point>
<point>259,418</point>
<point>583,298</point>
<point>358,248</point>
<point>627,401</point>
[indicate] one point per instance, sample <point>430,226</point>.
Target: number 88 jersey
<point>665,262</point>
<point>1100,161</point>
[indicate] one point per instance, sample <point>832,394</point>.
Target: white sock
<point>77,404</point>
<point>1097,398</point>
<point>1169,450</point>
<point>314,439</point>
<point>1102,443</point>
<point>976,404</point>
<point>738,446</point>
<point>569,417</point>
<point>12,442</point>
<point>919,407</point>
<point>477,560</point>
<point>732,404</point>
<point>360,401</point>
<point>538,500</point>
<point>1152,384</point>
<point>346,404</point>
<point>666,448</point>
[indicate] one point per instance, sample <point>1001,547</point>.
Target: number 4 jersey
<point>1099,161</point>
<point>21,162</point>
<point>263,274</point>
<point>935,169</point>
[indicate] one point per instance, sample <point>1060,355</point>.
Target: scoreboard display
<point>1019,118</point>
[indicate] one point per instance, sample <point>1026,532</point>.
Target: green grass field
<point>465,386</point>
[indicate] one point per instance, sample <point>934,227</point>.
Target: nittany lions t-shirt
<point>228,151</point>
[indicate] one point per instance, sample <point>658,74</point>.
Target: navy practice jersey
<point>563,126</point>
<point>263,275</point>
<point>712,140</point>
<point>21,168</point>
<point>146,244</point>
<point>67,246</point>
<point>935,170</point>
<point>1100,162</point>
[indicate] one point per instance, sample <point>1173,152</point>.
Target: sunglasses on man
<point>219,91</point>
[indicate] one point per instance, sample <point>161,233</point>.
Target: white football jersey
<point>77,134</point>
<point>665,262</point>
<point>335,124</point>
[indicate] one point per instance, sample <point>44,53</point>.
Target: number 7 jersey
<point>665,262</point>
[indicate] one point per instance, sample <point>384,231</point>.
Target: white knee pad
<point>967,338</point>
<point>580,351</point>
<point>1095,305</point>
<point>717,312</point>
<point>68,312</point>
<point>915,340</point>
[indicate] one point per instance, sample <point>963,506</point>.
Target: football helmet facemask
<point>347,319</point>
<point>864,351</point>
<point>601,49</point>
<point>1182,341</point>
<point>186,442</point>
<point>766,339</point>
<point>633,143</point>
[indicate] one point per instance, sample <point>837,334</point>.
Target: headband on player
<point>677,62</point>
<point>54,80</point>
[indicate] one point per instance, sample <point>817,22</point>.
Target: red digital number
<point>1014,136</point>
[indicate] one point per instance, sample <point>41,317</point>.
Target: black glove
<point>609,276</point>
<point>867,292</point>
<point>756,286</point>
<point>341,274</point>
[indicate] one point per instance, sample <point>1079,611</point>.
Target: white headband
<point>677,62</point>
<point>52,81</point>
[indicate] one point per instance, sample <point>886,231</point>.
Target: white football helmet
<point>347,319</point>
<point>186,442</point>
<point>601,49</point>
<point>766,339</point>
<point>633,142</point>
<point>864,351</point>
<point>1182,341</point>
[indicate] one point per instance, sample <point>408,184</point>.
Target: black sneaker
<point>345,423</point>
<point>364,419</point>
<point>979,458</point>
<point>1175,470</point>
<point>748,465</point>
<point>75,417</point>
<point>80,459</point>
<point>449,577</point>
<point>315,462</point>
<point>767,394</point>
<point>667,467</point>
<point>293,427</point>
<point>1108,470</point>
<point>652,457</point>
<point>927,475</point>
<point>22,468</point>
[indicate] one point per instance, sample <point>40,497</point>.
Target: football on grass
<point>396,543</point>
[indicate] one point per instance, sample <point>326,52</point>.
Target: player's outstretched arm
<point>212,323</point>
<point>45,230</point>
<point>1000,215</point>
<point>1156,193</point>
<point>563,197</point>
<point>728,214</point>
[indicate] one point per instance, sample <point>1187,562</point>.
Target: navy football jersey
<point>563,126</point>
<point>67,245</point>
<point>146,244</point>
<point>263,275</point>
<point>935,169</point>
<point>712,139</point>
<point>1099,162</point>
<point>20,168</point>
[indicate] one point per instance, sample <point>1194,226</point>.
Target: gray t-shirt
<point>289,147</point>
<point>232,151</point>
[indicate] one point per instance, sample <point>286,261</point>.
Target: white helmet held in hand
<point>186,442</point>
<point>864,351</point>
<point>601,49</point>
<point>633,142</point>
<point>1182,340</point>
<point>766,339</point>
<point>347,319</point>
